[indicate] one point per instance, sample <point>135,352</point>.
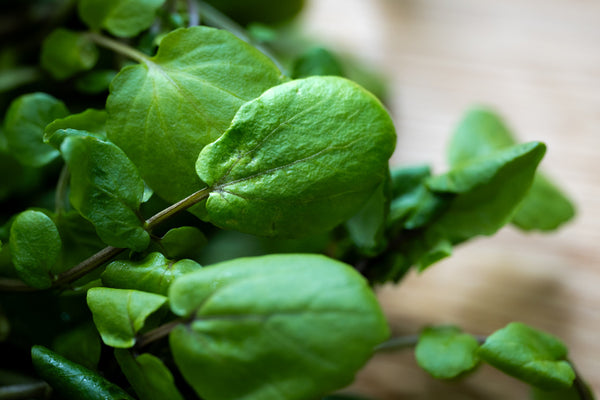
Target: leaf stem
<point>61,189</point>
<point>118,47</point>
<point>217,19</point>
<point>109,252</point>
<point>193,13</point>
<point>25,391</point>
<point>158,333</point>
<point>403,342</point>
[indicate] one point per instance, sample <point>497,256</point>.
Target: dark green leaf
<point>446,353</point>
<point>264,11</point>
<point>35,245</point>
<point>124,18</point>
<point>79,239</point>
<point>153,274</point>
<point>24,126</point>
<point>163,112</point>
<point>96,81</point>
<point>273,327</point>
<point>565,394</point>
<point>544,208</point>
<point>72,381</point>
<point>90,122</point>
<point>289,166</point>
<point>148,376</point>
<point>317,61</point>
<point>119,314</point>
<point>488,191</point>
<point>65,53</point>
<point>527,354</point>
<point>367,227</point>
<point>80,345</point>
<point>107,190</point>
<point>183,242</point>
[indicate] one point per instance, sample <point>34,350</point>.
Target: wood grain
<point>538,64</point>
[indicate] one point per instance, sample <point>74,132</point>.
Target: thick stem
<point>118,47</point>
<point>87,265</point>
<point>176,208</point>
<point>157,333</point>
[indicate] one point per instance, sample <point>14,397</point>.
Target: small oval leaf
<point>64,53</point>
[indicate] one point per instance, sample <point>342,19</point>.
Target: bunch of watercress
<point>214,226</point>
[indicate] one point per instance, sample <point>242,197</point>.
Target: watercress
<point>220,222</point>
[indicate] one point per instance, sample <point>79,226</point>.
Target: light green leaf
<point>24,126</point>
<point>300,159</point>
<point>481,133</point>
<point>367,227</point>
<point>273,327</point>
<point>107,190</point>
<point>90,122</point>
<point>488,191</point>
<point>527,354</point>
<point>152,274</point>
<point>446,353</point>
<point>163,112</point>
<point>124,18</point>
<point>148,376</point>
<point>544,208</point>
<point>70,380</point>
<point>64,53</point>
<point>183,242</point>
<point>80,344</point>
<point>119,314</point>
<point>35,246</point>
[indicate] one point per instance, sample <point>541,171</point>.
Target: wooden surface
<point>538,64</point>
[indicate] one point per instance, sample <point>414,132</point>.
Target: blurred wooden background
<point>537,62</point>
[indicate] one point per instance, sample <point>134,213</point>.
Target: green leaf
<point>79,239</point>
<point>163,112</point>
<point>367,227</point>
<point>80,344</point>
<point>488,191</point>
<point>273,327</point>
<point>64,53</point>
<point>152,274</point>
<point>119,314</point>
<point>481,133</point>
<point>544,208</point>
<point>148,376</point>
<point>183,242</point>
<point>264,11</point>
<point>24,125</point>
<point>317,61</point>
<point>527,354</point>
<point>72,381</point>
<point>123,18</point>
<point>446,353</point>
<point>96,81</point>
<point>565,394</point>
<point>35,245</point>
<point>290,166</point>
<point>90,122</point>
<point>107,190</point>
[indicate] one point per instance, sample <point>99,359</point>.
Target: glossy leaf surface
<point>152,274</point>
<point>90,122</point>
<point>527,354</point>
<point>107,190</point>
<point>119,314</point>
<point>72,381</point>
<point>163,112</point>
<point>65,53</point>
<point>35,246</point>
<point>488,191</point>
<point>148,376</point>
<point>124,18</point>
<point>300,159</point>
<point>446,353</point>
<point>274,327</point>
<point>24,126</point>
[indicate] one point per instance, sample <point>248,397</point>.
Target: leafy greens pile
<point>214,226</point>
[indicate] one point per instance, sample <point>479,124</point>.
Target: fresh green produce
<point>192,212</point>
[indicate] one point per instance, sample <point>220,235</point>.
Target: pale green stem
<point>25,391</point>
<point>118,47</point>
<point>60,195</point>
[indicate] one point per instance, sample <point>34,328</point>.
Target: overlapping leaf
<point>164,111</point>
<point>90,122</point>
<point>300,159</point>
<point>106,189</point>
<point>275,327</point>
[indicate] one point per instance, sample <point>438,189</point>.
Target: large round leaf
<point>274,327</point>
<point>300,159</point>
